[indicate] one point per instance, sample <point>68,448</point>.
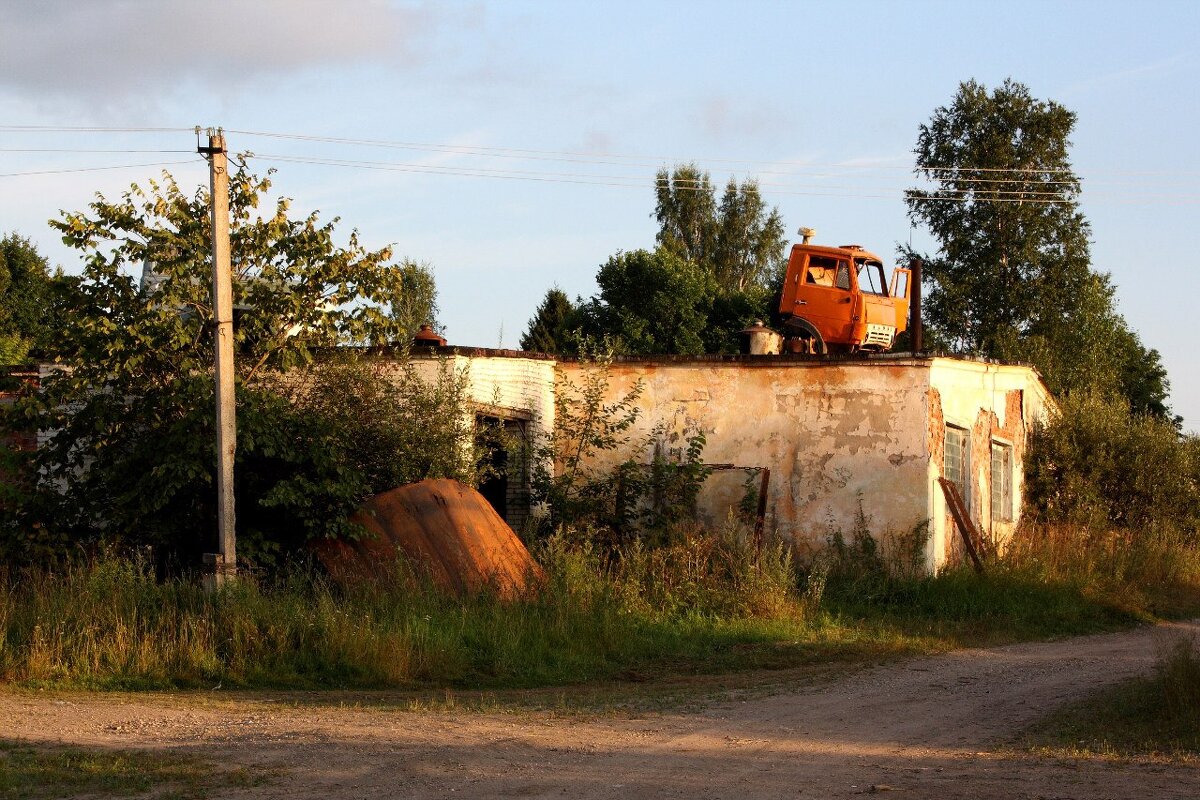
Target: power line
<point>77,150</point>
<point>965,188</point>
<point>598,180</point>
<point>87,129</point>
<point>93,169</point>
<point>599,158</point>
<point>937,195</point>
<point>596,158</point>
<point>609,180</point>
<point>615,159</point>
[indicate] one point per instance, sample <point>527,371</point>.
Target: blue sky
<point>820,101</point>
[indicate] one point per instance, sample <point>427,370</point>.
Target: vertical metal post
<point>760,517</point>
<point>915,332</point>
<point>225,561</point>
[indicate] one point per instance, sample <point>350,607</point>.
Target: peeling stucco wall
<point>830,433</point>
<point>515,388</point>
<point>833,433</point>
<point>508,384</point>
<point>996,403</point>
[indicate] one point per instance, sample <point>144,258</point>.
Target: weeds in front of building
<point>708,602</point>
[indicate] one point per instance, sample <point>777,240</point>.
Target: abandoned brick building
<point>838,436</point>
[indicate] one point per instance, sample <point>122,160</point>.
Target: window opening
<point>506,442</point>
<point>821,270</point>
<point>843,275</point>
<point>1002,476</point>
<point>870,276</point>
<point>958,461</point>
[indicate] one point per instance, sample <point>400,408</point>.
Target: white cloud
<point>124,48</point>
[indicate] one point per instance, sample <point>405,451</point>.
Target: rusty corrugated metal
<point>442,527</point>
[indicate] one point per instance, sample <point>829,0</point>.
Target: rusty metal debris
<point>962,521</point>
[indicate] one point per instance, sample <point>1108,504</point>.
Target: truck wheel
<point>806,335</point>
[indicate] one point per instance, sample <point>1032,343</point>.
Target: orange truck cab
<point>836,299</point>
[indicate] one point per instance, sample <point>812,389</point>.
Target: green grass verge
<point>33,772</point>
<point>1155,717</point>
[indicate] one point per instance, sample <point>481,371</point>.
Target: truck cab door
<point>901,278</point>
<point>821,293</point>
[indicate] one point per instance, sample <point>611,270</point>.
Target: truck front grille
<point>880,336</point>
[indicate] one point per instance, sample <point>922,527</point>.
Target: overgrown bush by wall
<point>312,445</point>
<point>1095,465</point>
<point>647,498</point>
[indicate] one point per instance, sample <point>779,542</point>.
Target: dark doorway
<point>507,486</point>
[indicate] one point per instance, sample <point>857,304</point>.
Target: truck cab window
<point>821,270</point>
<point>870,277</point>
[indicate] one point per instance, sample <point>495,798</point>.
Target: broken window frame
<point>843,276</point>
<point>827,267</point>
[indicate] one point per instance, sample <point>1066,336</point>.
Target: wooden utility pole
<point>225,560</point>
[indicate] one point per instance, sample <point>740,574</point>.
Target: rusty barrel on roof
<point>443,528</point>
<point>428,337</point>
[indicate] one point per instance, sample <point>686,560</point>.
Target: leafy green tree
<point>1143,378</point>
<point>1004,211</point>
<point>750,241</point>
<point>1012,279</point>
<point>739,241</point>
<point>549,330</point>
<point>686,211</point>
<point>132,456</point>
<point>709,277</point>
<point>26,300</point>
<point>654,302</point>
<point>650,303</point>
<point>416,304</point>
<point>1093,464</point>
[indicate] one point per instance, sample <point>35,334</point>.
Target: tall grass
<point>707,603</point>
<point>1048,581</point>
<point>108,623</point>
<point>1154,571</point>
<point>1177,674</point>
<point>1154,716</point>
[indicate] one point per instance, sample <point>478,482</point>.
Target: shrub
<point>312,445</point>
<point>131,455</point>
<point>564,478</point>
<point>1097,466</point>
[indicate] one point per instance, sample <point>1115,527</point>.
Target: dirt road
<point>926,728</point>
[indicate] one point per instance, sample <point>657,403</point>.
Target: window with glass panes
<point>1002,476</point>
<point>958,461</point>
